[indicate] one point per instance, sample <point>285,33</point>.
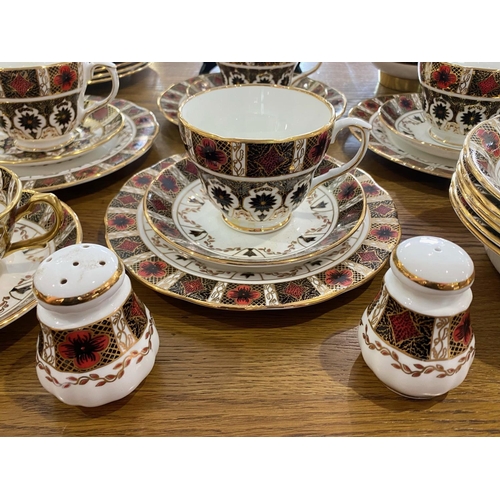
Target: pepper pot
<point>97,341</point>
<point>416,335</point>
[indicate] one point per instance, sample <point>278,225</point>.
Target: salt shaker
<point>416,335</point>
<point>97,341</point>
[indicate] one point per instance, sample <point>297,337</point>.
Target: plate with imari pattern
<point>149,259</point>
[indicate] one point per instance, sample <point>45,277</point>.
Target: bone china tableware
<point>170,99</point>
<point>456,96</point>
<point>278,73</point>
<point>11,211</point>
<point>178,209</point>
<point>416,335</point>
<point>97,341</point>
<point>388,145</point>
<point>158,266</point>
<point>257,148</point>
<point>97,128</point>
<point>132,141</point>
<point>17,268</point>
<point>41,104</point>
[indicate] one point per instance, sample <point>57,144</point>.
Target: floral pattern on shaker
<point>210,156</point>
<point>444,77</point>
<point>65,78</point>
<point>463,331</point>
<point>243,295</point>
<point>83,348</point>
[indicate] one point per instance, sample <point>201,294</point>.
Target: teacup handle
<point>115,84</point>
<point>306,73</point>
<point>364,128</point>
<point>37,241</point>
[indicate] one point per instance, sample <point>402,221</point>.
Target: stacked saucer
<point>122,69</point>
<point>169,236</point>
<point>107,140</point>
<point>400,133</point>
<point>475,186</point>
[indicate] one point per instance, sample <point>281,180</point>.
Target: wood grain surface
<point>292,372</point>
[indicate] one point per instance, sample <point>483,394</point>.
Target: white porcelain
<point>98,341</point>
<point>416,335</point>
<point>178,209</point>
<point>258,147</point>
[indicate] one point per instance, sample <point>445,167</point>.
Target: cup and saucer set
<point>52,136</point>
<point>425,131</point>
<point>255,215</point>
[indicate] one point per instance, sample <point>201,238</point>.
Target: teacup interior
<point>486,65</point>
<point>257,112</point>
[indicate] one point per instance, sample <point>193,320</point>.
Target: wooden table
<point>294,372</point>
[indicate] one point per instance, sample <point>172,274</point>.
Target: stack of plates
<point>475,186</point>
<point>170,237</point>
<point>400,133</point>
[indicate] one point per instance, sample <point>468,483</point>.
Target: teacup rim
<point>305,135</point>
<point>34,65</point>
<point>246,66</point>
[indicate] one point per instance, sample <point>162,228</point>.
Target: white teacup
<point>41,104</point>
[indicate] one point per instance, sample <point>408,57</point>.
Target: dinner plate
<point>133,141</point>
<point>170,100</point>
<point>17,269</point>
<point>404,116</point>
<point>148,258</point>
<point>178,209</point>
<point>386,144</point>
<point>122,68</point>
<point>98,128</point>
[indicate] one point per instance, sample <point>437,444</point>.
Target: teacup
<point>458,96</point>
<point>257,149</point>
<point>11,210</point>
<point>41,104</point>
<point>277,73</point>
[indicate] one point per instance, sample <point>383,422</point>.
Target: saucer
<point>170,100</point>
<point>122,68</point>
<point>403,116</point>
<point>348,266</point>
<point>132,141</point>
<point>178,209</point>
<point>388,145</point>
<point>17,269</point>
<point>97,128</point>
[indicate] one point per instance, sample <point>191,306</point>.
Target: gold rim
<point>250,66</point>
<point>457,207</point>
<point>306,135</point>
<point>86,297</point>
<point>78,239</point>
<point>434,285</point>
<point>217,260</point>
